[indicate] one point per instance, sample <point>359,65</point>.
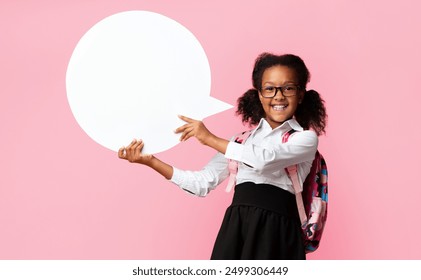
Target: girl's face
<point>279,108</point>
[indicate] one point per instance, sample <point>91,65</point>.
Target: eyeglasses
<point>287,91</point>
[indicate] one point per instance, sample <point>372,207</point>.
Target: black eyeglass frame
<point>281,89</point>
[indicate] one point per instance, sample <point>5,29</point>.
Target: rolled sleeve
<point>176,176</point>
<point>201,182</point>
<point>234,151</point>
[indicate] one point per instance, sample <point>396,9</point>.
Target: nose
<point>278,93</point>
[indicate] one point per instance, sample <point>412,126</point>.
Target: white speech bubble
<point>130,76</point>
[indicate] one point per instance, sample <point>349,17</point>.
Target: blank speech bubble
<point>130,76</point>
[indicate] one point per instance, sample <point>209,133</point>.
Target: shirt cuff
<point>176,177</point>
<point>234,151</point>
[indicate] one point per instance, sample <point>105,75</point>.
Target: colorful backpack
<point>311,202</point>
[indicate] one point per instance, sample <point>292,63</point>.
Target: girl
<point>262,221</point>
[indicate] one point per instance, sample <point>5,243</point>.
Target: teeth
<point>279,107</point>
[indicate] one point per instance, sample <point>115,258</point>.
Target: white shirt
<point>262,160</point>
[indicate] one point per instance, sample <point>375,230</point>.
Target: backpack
<point>311,202</point>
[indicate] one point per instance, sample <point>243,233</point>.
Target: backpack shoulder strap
<point>233,164</point>
<point>292,172</point>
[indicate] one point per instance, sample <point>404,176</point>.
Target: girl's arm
<point>301,147</point>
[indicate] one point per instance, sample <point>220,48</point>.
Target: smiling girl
<point>262,222</point>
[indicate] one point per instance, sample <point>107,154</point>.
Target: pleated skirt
<point>262,223</point>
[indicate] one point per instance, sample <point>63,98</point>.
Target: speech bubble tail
<point>217,106</point>
<point>201,108</point>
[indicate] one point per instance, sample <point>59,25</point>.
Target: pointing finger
<point>186,119</point>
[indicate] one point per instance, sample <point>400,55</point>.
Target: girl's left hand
<point>133,153</point>
<point>193,128</point>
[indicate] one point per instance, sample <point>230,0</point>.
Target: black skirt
<point>261,223</point>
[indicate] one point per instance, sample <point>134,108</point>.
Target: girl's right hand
<point>133,153</point>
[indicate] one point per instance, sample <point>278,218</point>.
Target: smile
<point>279,107</point>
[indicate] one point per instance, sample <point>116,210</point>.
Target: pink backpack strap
<point>233,168</point>
<point>233,164</point>
<point>292,172</point>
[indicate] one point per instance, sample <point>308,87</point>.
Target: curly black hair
<point>311,113</point>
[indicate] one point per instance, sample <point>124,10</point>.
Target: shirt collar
<point>286,126</point>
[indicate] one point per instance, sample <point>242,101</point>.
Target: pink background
<point>62,196</point>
